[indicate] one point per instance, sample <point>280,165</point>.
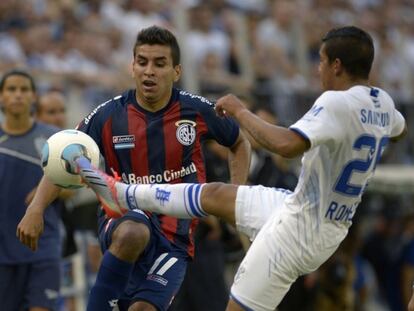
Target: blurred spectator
<point>203,39</point>
<point>215,80</point>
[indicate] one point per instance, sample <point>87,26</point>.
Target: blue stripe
<point>127,197</point>
<point>244,307</point>
<point>287,191</point>
<point>298,131</point>
<point>191,202</point>
<point>197,201</point>
<point>131,206</point>
<point>124,146</point>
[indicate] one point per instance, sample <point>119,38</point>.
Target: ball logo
<point>186,133</point>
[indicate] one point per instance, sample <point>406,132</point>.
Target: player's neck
<point>152,106</point>
<point>17,125</point>
<point>347,83</point>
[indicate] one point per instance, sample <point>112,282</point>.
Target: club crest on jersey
<point>186,132</point>
<point>123,141</point>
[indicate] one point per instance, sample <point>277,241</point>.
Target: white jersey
<point>294,233</point>
<point>348,131</point>
<point>297,232</point>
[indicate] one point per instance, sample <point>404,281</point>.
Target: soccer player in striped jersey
<point>342,138</point>
<point>151,134</point>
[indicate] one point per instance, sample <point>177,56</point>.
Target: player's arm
<point>239,164</point>
<point>31,226</point>
<point>64,194</point>
<point>277,139</point>
<point>239,160</point>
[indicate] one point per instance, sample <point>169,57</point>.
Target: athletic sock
<point>179,200</point>
<point>111,280</point>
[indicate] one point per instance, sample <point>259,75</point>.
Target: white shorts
<point>255,205</point>
<point>280,252</point>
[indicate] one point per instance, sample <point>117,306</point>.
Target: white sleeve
<point>398,124</point>
<point>322,123</point>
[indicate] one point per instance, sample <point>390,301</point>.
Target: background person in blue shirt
<point>34,275</point>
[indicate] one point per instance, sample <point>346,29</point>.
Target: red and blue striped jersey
<point>159,147</point>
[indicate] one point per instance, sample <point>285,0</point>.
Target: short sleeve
<point>322,123</point>
<point>398,124</point>
<point>224,130</point>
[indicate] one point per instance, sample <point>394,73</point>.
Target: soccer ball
<point>65,145</point>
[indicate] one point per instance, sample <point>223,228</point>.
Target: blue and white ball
<point>65,145</point>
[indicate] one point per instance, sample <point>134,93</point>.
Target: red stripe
<point>137,126</point>
<point>193,226</point>
<point>110,156</point>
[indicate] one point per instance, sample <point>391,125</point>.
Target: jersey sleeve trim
<point>301,133</point>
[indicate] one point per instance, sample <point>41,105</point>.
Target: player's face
<point>52,111</point>
<point>154,75</point>
<point>17,96</point>
<point>326,70</point>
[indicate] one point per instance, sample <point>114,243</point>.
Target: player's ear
<point>337,66</point>
<point>177,72</point>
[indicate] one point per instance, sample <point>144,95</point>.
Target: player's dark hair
<point>157,35</point>
<point>353,47</point>
<point>17,72</point>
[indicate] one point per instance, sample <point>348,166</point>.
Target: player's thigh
<point>158,282</point>
<point>263,278</point>
<point>255,205</point>
<point>43,284</point>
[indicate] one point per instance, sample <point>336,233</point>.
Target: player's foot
<point>109,191</point>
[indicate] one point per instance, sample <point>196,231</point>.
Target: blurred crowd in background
<point>267,52</point>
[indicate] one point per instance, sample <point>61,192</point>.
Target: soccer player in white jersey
<point>341,138</point>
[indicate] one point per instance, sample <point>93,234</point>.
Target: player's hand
<point>30,228</point>
<point>229,105</point>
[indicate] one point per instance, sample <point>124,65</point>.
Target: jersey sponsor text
<point>166,177</point>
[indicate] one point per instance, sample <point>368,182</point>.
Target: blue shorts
<point>27,285</point>
<point>159,271</point>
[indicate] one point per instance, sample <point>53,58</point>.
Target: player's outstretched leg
<point>179,200</point>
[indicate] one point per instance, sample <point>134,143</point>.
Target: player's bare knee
<point>129,240</point>
<point>141,306</point>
